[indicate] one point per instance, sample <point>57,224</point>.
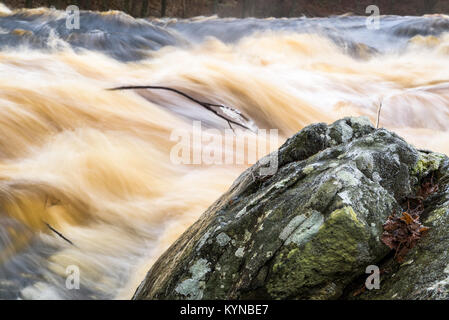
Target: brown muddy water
<point>95,164</point>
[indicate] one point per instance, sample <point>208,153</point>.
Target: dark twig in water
<point>59,233</point>
<point>230,126</point>
<point>206,105</point>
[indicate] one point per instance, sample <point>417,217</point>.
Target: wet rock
<point>424,274</point>
<point>306,232</point>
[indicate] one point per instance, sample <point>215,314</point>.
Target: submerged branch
<point>206,105</point>
<point>59,233</point>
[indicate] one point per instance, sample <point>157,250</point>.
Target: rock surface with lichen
<point>310,229</point>
<point>424,273</point>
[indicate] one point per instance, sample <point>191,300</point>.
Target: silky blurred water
<point>95,164</point>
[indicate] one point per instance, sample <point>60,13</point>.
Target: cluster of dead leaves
<point>427,188</point>
<point>402,233</point>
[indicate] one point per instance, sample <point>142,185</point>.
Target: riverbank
<point>244,8</point>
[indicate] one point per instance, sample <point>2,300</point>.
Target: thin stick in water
<point>59,233</point>
<point>378,115</point>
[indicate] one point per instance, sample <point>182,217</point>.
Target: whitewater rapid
<point>95,164</point>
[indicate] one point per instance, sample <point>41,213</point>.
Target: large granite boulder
<point>309,230</point>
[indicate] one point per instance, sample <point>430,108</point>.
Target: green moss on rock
<point>335,249</point>
<point>427,162</point>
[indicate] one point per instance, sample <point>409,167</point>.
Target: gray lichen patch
<point>193,287</point>
<point>240,252</point>
<point>223,239</point>
<point>291,226</point>
<point>347,178</point>
<point>340,132</point>
<point>304,230</point>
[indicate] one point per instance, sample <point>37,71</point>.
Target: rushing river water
<point>95,164</point>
